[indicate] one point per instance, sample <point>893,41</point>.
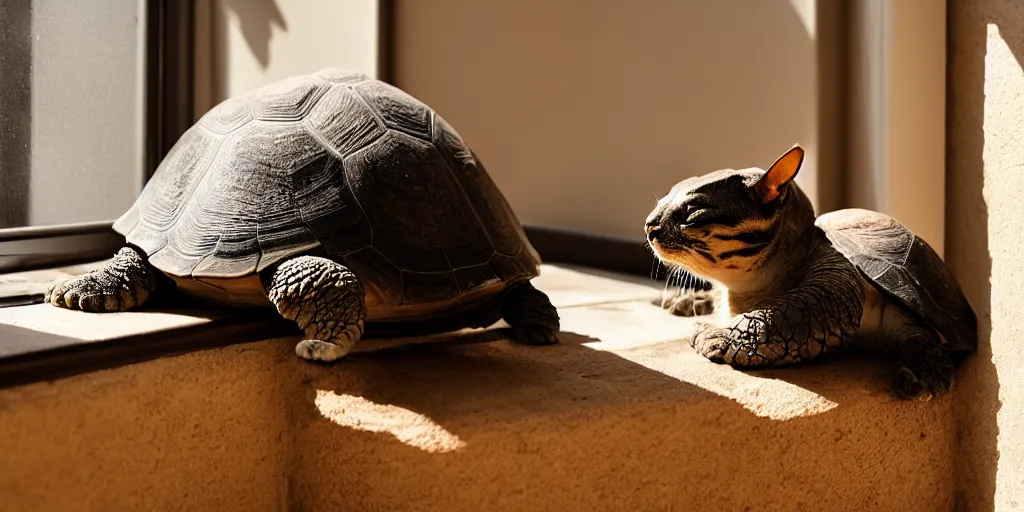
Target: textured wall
<point>985,215</point>
<point>579,426</point>
<point>205,431</point>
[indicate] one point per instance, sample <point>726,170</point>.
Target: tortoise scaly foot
<point>927,372</point>
<point>316,350</point>
<point>780,336</point>
<point>326,301</point>
<point>124,283</point>
<point>738,347</point>
<point>532,317</point>
<point>689,302</point>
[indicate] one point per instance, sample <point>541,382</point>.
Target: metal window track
<point>32,248</point>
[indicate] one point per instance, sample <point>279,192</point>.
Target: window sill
<point>254,426</point>
<point>40,342</point>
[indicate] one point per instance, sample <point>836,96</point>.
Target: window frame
<point>168,100</point>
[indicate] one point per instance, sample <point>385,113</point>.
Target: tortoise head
<point>729,225</point>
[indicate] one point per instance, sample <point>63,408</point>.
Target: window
<point>95,91</point>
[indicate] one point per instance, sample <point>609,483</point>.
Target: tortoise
<point>799,287</point>
<point>341,201</point>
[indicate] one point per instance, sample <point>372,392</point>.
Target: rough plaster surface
<point>985,216</point>
<point>622,415</point>
<point>204,432</point>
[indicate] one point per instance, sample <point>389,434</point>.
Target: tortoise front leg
<point>325,299</point>
<point>819,316</point>
<point>125,282</point>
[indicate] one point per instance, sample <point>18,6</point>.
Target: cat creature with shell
<point>788,287</point>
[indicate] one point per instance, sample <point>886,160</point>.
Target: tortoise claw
<point>531,334</point>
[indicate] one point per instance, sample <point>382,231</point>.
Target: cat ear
<point>779,175</point>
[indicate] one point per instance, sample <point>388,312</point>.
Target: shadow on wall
<point>969,250</point>
<point>608,104</point>
<point>257,19</point>
<point>219,66</point>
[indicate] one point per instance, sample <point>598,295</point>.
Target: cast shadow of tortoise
<point>559,409</point>
<point>829,377</point>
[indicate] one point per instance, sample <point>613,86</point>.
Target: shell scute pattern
<point>505,234</point>
<point>344,122</point>
<point>288,100</point>
<point>242,209</point>
<point>149,222</point>
<point>426,287</point>
<point>379,273</point>
<point>337,160</point>
<point>905,267</point>
<point>267,146</point>
<point>398,110</point>
<point>232,114</point>
<point>476,276</point>
<point>410,242</point>
<point>326,205</point>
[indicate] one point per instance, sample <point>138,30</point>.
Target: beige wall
<point>897,110</point>
<point>243,44</point>
<point>584,112</point>
<point>984,218</point>
<point>609,104</point>
<point>605,104</point>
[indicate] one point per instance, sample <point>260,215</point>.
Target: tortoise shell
<point>907,269</point>
<point>334,163</point>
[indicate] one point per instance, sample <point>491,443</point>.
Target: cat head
<point>727,224</point>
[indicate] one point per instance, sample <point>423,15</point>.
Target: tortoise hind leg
<point>325,299</point>
<point>532,317</point>
<point>124,283</point>
<point>928,368</point>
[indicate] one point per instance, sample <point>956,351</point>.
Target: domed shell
<point>906,268</point>
<point>339,163</point>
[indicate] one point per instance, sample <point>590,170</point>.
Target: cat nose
<point>653,231</point>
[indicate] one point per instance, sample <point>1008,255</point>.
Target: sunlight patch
<point>805,10</point>
<point>768,398</point>
<point>409,427</point>
<point>764,397</point>
<point>659,345</point>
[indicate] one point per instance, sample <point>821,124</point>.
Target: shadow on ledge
<point>572,426</point>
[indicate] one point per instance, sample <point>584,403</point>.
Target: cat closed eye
<point>699,216</point>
